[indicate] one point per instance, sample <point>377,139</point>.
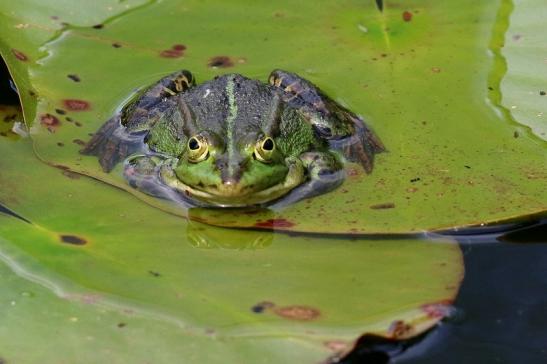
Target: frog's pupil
<point>268,144</point>
<point>193,144</point>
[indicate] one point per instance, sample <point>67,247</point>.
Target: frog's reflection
<point>211,237</point>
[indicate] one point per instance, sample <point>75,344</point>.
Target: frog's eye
<point>264,149</point>
<point>198,149</point>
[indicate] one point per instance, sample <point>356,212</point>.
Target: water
<point>501,307</point>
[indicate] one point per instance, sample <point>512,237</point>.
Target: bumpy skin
<point>233,141</point>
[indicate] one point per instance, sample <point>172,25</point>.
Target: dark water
<point>501,308</point>
<point>7,94</point>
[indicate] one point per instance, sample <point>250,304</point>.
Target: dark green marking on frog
<point>234,141</point>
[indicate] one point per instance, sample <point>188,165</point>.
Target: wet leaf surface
<point>420,81</point>
<point>117,280</point>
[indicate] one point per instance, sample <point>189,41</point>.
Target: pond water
<point>501,307</point>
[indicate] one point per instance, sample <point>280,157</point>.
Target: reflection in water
<point>204,237</point>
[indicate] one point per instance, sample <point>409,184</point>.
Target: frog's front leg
<point>123,134</point>
<point>344,130</point>
<point>324,172</point>
<point>142,172</point>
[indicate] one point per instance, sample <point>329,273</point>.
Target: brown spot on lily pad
<point>435,69</point>
<point>297,312</point>
<point>407,16</point>
<point>176,51</point>
<point>179,47</point>
<point>76,105</point>
<point>74,77</point>
<point>116,45</point>
<point>72,239</point>
<point>98,26</point>
<point>220,62</point>
<point>382,206</point>
<point>170,53</point>
<point>19,55</point>
<point>437,310</point>
<point>399,329</point>
<point>79,142</point>
<point>50,122</point>
<point>275,223</point>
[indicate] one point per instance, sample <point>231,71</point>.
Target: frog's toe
<point>359,147</point>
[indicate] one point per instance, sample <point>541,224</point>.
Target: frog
<point>234,141</point>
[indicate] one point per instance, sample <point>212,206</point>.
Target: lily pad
<point>522,56</point>
<point>117,280</point>
<point>418,74</point>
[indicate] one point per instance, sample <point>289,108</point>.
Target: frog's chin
<point>228,197</point>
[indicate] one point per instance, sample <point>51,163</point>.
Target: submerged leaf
<point>523,89</point>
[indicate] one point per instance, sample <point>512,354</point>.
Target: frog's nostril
<point>221,164</point>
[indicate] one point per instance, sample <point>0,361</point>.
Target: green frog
<point>234,141</point>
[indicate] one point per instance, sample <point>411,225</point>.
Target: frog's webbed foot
<point>325,173</point>
<point>112,143</point>
<point>124,133</point>
<point>344,131</point>
<point>360,146</point>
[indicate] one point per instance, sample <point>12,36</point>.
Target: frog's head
<point>246,171</point>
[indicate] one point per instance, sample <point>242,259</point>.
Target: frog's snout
<point>231,169</point>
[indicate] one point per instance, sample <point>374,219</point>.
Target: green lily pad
<point>418,74</point>
<point>116,280</point>
<point>524,84</point>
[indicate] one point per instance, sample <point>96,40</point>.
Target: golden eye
<point>264,149</point>
<point>198,149</point>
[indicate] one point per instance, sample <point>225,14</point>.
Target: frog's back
<point>233,104</point>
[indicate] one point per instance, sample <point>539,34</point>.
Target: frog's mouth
<point>230,196</point>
